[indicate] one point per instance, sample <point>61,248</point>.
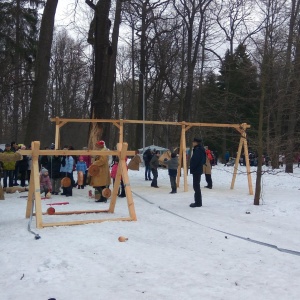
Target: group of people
<point>152,162</point>
<point>201,162</point>
<point>13,170</point>
<point>54,168</point>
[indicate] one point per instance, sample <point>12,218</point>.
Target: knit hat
<point>197,140</point>
<point>44,171</point>
<point>100,143</point>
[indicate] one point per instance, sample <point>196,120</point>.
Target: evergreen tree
<point>238,86</point>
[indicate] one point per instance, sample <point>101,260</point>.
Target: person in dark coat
<point>147,158</point>
<point>197,161</point>
<point>154,163</point>
<point>54,164</point>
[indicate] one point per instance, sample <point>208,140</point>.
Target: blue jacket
<point>81,166</point>
<point>198,159</point>
<point>68,167</point>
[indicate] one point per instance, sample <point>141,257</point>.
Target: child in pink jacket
<point>113,175</point>
<point>45,182</point>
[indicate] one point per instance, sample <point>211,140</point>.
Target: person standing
<point>172,165</point>
<point>8,167</point>
<point>147,158</point>
<point>207,171</point>
<point>197,161</point>
<point>66,170</point>
<point>23,167</point>
<point>15,148</point>
<point>102,180</point>
<point>154,163</point>
<point>54,165</point>
<point>227,155</point>
<point>88,161</point>
<point>81,169</point>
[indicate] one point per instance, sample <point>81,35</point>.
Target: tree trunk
<point>101,100</point>
<point>36,112</point>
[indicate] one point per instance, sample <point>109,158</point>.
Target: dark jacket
<point>172,165</point>
<point>147,157</point>
<point>154,163</point>
<point>198,159</point>
<point>53,167</point>
<point>23,164</point>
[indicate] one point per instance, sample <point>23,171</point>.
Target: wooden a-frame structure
<point>185,126</point>
<point>34,195</point>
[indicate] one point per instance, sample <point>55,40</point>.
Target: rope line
<point>228,233</point>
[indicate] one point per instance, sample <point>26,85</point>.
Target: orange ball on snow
<point>51,210</point>
<point>122,239</point>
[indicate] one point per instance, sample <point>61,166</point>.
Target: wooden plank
<point>150,122</point>
<point>76,152</point>
<point>78,212</point>
<point>70,223</point>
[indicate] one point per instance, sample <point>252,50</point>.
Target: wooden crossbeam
<point>34,195</point>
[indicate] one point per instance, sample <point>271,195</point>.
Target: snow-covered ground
<point>173,251</point>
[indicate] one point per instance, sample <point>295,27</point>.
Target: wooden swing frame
<point>185,126</point>
<point>34,186</point>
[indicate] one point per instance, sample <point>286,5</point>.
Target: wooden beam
<point>84,222</point>
<point>245,125</point>
<point>78,212</point>
<point>77,152</point>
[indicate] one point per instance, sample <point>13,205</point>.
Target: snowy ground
<point>173,251</point>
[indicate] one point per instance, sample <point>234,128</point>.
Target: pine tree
<point>238,85</point>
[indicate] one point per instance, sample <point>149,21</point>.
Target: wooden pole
<point>237,162</point>
<point>36,183</point>
<point>247,164</point>
<point>183,141</point>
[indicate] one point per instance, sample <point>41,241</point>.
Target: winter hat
<point>100,143</point>
<point>197,140</point>
<point>44,171</point>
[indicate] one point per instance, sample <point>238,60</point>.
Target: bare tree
<point>41,73</point>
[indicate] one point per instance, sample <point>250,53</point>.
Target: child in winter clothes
<point>172,165</point>
<point>113,175</point>
<point>81,169</point>
<point>45,182</point>
<point>66,169</point>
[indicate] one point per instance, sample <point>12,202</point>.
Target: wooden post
<point>183,145</point>
<point>247,164</point>
<point>57,133</point>
<point>34,187</point>
<point>243,143</point>
<point>121,132</point>
<point>237,162</point>
<point>122,170</point>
